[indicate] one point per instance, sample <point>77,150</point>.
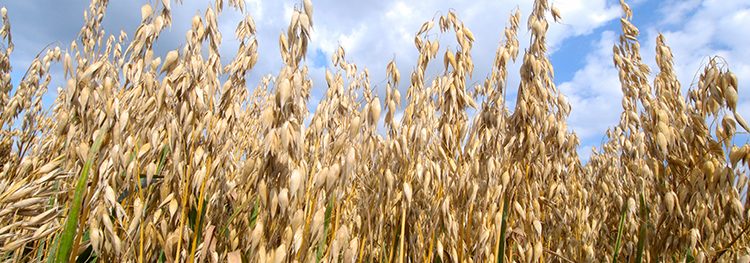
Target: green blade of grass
<point>254,214</point>
<point>689,256</point>
<point>71,223</point>
<point>53,249</point>
<point>321,245</point>
<point>164,151</point>
<point>642,231</point>
<point>619,233</point>
<point>253,217</point>
<point>504,219</point>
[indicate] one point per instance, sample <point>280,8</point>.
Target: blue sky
<point>373,32</point>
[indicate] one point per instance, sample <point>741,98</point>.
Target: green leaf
<point>71,223</point>
<point>196,221</point>
<point>642,230</point>
<point>689,256</point>
<point>164,151</point>
<point>321,245</point>
<point>501,249</point>
<point>619,233</point>
<point>253,217</point>
<point>254,214</point>
<point>55,245</point>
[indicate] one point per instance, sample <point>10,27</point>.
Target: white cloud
<point>695,30</point>
<point>709,28</point>
<point>581,18</point>
<point>378,32</point>
<point>594,94</point>
<point>674,11</point>
<point>372,32</point>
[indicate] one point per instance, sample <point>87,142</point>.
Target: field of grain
<point>145,158</point>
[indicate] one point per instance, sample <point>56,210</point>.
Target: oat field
<point>178,158</point>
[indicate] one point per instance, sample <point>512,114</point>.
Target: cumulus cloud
<point>694,29</point>
<point>372,32</point>
<point>594,94</point>
<point>709,28</point>
<point>581,18</point>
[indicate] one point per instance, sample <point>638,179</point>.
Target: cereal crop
<point>178,158</point>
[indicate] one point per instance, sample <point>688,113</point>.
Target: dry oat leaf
<point>234,257</point>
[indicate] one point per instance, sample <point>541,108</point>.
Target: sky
<point>374,32</point>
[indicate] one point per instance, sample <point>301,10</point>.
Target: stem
<point>199,215</point>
